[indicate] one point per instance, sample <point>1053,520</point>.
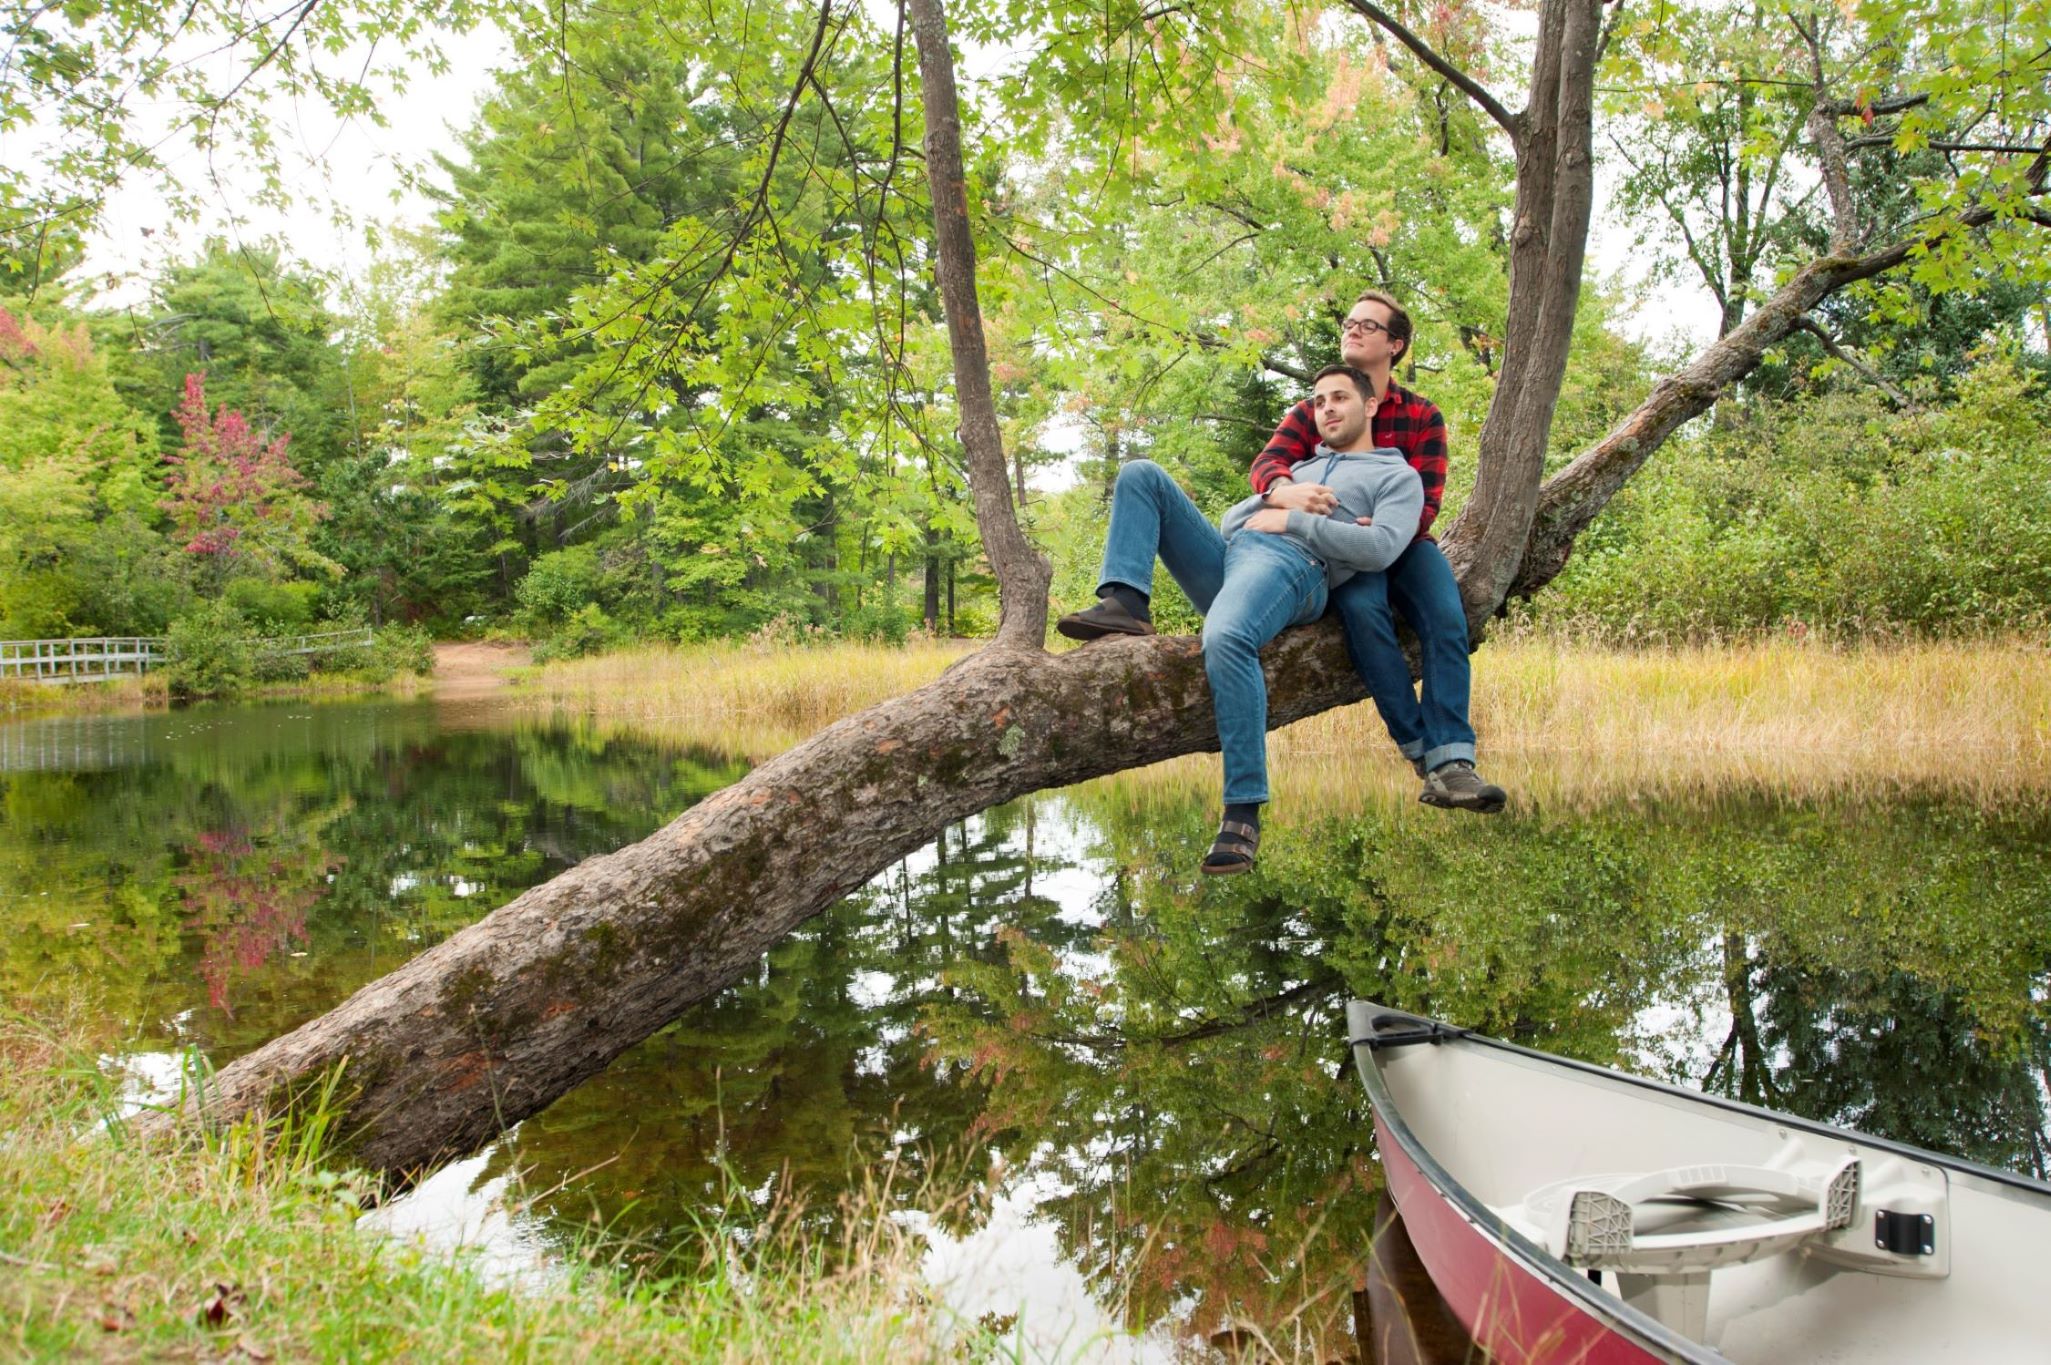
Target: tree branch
<point>1845,232</point>
<point>1886,104</point>
<point>1460,80</point>
<point>1570,500</point>
<point>1852,362</point>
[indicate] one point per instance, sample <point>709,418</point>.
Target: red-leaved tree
<point>236,501</point>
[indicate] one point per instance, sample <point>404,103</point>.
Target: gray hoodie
<point>1370,483</point>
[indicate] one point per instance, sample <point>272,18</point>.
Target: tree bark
<point>1023,574</point>
<point>1548,241</point>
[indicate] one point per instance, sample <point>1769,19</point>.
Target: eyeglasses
<point>1366,326</point>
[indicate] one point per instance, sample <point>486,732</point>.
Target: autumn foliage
<point>235,499</point>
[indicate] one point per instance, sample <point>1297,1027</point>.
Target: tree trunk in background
<point>1023,574</point>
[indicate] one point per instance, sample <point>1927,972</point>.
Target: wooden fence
<point>97,660</point>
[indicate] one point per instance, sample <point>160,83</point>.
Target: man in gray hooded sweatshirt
<point>1263,570</point>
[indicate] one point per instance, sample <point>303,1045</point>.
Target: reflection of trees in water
<point>1164,1056</point>
<point>817,1074</point>
<point>1184,1081</point>
<point>1885,1053</point>
<point>245,901</point>
<point>358,834</point>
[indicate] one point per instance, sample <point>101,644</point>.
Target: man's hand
<point>1314,498</point>
<point>1272,520</point>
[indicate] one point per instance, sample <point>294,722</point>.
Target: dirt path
<point>466,670</point>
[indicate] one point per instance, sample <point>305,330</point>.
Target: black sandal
<point>1232,851</point>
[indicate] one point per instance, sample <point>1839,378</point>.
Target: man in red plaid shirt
<point>1434,734</point>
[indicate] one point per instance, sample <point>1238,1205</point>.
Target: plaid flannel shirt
<point>1404,422</point>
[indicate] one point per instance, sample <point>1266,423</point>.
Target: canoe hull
<point>1513,1312</point>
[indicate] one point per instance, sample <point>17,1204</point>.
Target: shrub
<point>404,649</point>
<point>208,653</point>
<point>559,585</point>
<point>273,608</point>
<point>279,666</point>
<point>881,621</point>
<point>589,631</point>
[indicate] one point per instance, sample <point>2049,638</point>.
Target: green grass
<point>243,1245</point>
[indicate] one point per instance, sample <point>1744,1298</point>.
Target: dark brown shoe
<point>1456,786</point>
<point>1108,617</point>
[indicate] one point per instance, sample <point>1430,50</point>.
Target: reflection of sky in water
<point>1013,1267</point>
<point>455,1213</point>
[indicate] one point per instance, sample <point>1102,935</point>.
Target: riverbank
<point>150,693</point>
<point>1793,715</point>
<point>243,1246</point>
<point>460,671</point>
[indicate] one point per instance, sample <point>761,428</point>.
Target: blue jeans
<point>1420,585</point>
<point>1250,589</point>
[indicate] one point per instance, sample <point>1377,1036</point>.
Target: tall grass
<point>1557,719</point>
<point>244,1245</point>
<point>745,699</point>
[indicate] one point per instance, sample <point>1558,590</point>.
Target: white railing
<point>114,656</point>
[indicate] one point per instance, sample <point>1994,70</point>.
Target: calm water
<point>1142,1079</point>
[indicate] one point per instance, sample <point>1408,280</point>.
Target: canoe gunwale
<point>1640,1328</point>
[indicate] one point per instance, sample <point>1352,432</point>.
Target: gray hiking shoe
<point>1108,617</point>
<point>1457,786</point>
<point>1417,766</point>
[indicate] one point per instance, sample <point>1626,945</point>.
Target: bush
<point>277,666</point>
<point>208,653</point>
<point>883,622</point>
<point>1831,512</point>
<point>589,631</point>
<point>273,608</point>
<point>559,585</point>
<point>404,649</point>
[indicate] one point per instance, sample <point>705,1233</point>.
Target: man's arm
<point>1295,439</point>
<point>1367,549</point>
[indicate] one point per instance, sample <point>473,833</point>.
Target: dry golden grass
<point>1570,722</point>
<point>741,699</point>
<point>1557,721</point>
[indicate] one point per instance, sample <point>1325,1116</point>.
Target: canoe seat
<point>1715,1215</point>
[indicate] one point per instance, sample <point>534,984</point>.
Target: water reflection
<point>1156,1065</point>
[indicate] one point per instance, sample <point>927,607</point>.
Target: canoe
<point>1570,1213</point>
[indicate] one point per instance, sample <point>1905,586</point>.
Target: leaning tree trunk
<point>498,1020</point>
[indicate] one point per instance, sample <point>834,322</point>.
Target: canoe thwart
<point>1593,1222</point>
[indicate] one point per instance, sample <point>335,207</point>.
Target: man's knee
<point>1230,639</point>
<point>1141,476</point>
